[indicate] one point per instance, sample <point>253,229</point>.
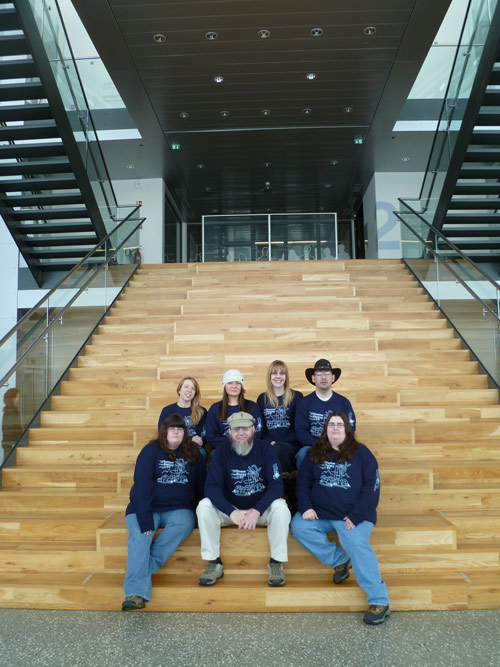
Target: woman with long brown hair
<point>169,479</point>
<point>189,408</point>
<point>233,400</point>
<point>338,489</point>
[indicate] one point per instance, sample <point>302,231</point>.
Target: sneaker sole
<point>379,622</point>
<point>209,582</point>
<point>132,608</point>
<point>276,584</point>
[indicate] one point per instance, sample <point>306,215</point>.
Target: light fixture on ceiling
<point>224,113</point>
<point>211,35</point>
<point>200,166</point>
<point>184,114</point>
<point>175,147</point>
<point>316,32</point>
<point>159,38</point>
<point>265,112</point>
<point>348,109</point>
<point>358,139</point>
<point>215,211</point>
<point>267,186</point>
<point>405,159</point>
<point>266,164</point>
<point>327,186</point>
<point>310,76</point>
<point>264,33</point>
<point>207,189</point>
<point>307,111</point>
<point>218,78</point>
<point>334,162</point>
<point>369,30</point>
<point>130,166</point>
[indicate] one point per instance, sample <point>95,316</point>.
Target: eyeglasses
<point>336,425</point>
<point>325,374</point>
<point>240,428</point>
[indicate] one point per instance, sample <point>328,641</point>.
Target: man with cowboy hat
<point>313,408</point>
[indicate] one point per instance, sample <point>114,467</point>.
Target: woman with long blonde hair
<point>278,405</point>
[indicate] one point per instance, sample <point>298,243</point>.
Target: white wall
<point>382,227</point>
<point>151,192</point>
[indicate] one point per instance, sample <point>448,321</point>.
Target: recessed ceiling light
<point>175,147</point>
<point>327,186</point>
<point>348,109</point>
<point>200,166</point>
<point>317,32</point>
<point>265,112</point>
<point>307,111</point>
<point>130,166</point>
<point>207,189</point>
<point>159,38</point>
<point>211,35</point>
<point>267,186</point>
<point>215,211</point>
<point>311,76</point>
<point>405,159</point>
<point>266,164</point>
<point>370,30</point>
<point>218,79</point>
<point>184,114</point>
<point>334,162</point>
<point>264,34</point>
<point>224,113</point>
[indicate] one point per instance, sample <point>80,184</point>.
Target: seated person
<point>233,400</point>
<point>277,406</point>
<point>313,408</point>
<point>243,488</point>
<point>169,477</point>
<point>338,489</point>
<point>189,408</point>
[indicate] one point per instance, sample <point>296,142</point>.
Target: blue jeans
<point>145,556</point>
<point>300,456</point>
<point>312,534</point>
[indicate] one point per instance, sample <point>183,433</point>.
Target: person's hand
<point>237,517</point>
<point>309,515</point>
<point>197,440</point>
<point>348,524</point>
<point>148,532</point>
<point>250,520</point>
<point>273,442</point>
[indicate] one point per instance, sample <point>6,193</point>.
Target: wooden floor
<point>420,405</point>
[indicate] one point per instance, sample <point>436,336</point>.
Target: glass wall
<point>271,237</point>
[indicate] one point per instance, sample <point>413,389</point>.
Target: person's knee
<point>204,508</point>
<point>279,510</point>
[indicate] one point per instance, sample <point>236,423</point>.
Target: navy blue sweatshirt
<point>311,414</point>
<point>279,423</point>
<point>244,482</point>
<point>185,413</point>
<point>161,485</point>
<point>217,430</point>
<point>335,490</point>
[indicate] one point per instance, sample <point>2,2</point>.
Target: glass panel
<point>70,316</point>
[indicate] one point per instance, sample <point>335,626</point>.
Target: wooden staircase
<point>421,407</point>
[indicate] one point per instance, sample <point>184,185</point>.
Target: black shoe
<point>376,614</point>
<point>341,572</point>
<point>133,602</point>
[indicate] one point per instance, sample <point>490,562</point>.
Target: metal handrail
<point>452,270</point>
<point>75,268</point>
<point>443,238</point>
<point>70,303</point>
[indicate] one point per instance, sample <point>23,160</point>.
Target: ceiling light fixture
<point>327,186</point>
<point>334,162</point>
<point>266,164</point>
<point>211,35</point>
<point>405,159</point>
<point>159,38</point>
<point>358,139</point>
<point>264,34</point>
<point>224,113</point>
<point>218,79</point>
<point>369,30</point>
<point>207,189</point>
<point>307,111</point>
<point>348,109</point>
<point>265,112</point>
<point>200,166</point>
<point>184,114</point>
<point>311,76</point>
<point>316,32</point>
<point>175,147</point>
<point>130,166</point>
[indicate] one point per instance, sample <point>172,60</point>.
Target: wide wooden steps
<point>421,407</point>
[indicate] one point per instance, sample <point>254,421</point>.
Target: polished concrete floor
<point>95,639</point>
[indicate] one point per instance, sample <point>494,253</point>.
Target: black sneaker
<point>341,572</point>
<point>376,614</point>
<point>133,602</point>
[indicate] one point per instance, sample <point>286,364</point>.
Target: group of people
<point>252,445</point>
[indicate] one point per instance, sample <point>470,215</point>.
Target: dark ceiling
<point>267,138</point>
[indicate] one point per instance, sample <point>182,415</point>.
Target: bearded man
<point>243,488</point>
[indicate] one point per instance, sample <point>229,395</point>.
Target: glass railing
<point>467,295</point>
<point>468,54</point>
<point>273,237</point>
<point>53,35</point>
<point>38,350</point>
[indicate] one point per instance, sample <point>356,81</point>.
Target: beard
<point>242,448</point>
